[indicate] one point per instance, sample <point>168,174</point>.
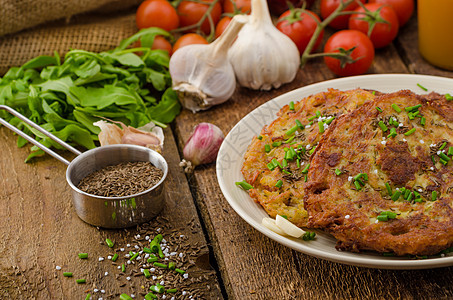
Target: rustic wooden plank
<point>39,230</point>
<point>255,267</point>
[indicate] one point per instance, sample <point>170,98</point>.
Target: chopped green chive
<point>292,130</point>
<point>321,127</point>
<point>180,271</point>
<point>276,163</point>
<point>290,139</point>
<point>443,146</point>
<point>378,108</point>
<point>123,268</point>
<point>284,163</point>
<point>305,170</point>
<point>276,144</point>
<point>407,133</point>
<point>150,296</point>
<point>411,195</point>
<point>450,151</point>
<point>299,124</point>
<point>434,195</point>
<point>260,137</point>
<point>318,113</point>
<point>373,93</point>
<point>389,189</point>
<point>444,156</point>
<point>109,242</point>
<point>267,148</point>
<point>243,184</point>
<point>311,118</point>
<point>392,133</point>
<point>115,257</point>
<point>171,290</point>
<point>448,97</point>
<point>396,195</point>
<point>382,126</point>
<point>422,87</point>
<point>423,121</point>
<point>83,255</point>
<point>279,184</point>
<point>125,297</point>
<point>67,274</point>
<point>79,281</point>
<point>329,120</point>
<point>338,172</point>
<point>292,152</point>
<point>291,105</point>
<point>157,288</point>
<point>270,166</point>
<point>306,178</point>
<point>171,265</point>
<point>407,193</point>
<point>298,163</point>
<point>412,108</point>
<point>160,265</point>
<point>147,250</point>
<point>134,256</point>
<point>382,218</point>
<point>444,162</point>
<point>88,297</point>
<point>147,273</point>
<point>396,108</point>
<point>309,236</point>
<point>357,185</point>
<point>152,258</point>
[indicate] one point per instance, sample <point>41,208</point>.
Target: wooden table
<point>223,255</point>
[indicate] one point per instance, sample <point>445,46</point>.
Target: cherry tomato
<point>157,13</point>
<point>403,8</point>
<point>385,23</point>
<point>244,6</point>
<point>162,43</point>
<point>362,55</point>
<point>189,39</point>
<point>221,26</point>
<point>329,6</point>
<point>299,25</point>
<point>191,12</point>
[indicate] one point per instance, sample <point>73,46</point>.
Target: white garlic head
<point>263,57</point>
<point>201,74</point>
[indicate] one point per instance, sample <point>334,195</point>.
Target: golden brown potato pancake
<point>381,177</point>
<point>275,162</point>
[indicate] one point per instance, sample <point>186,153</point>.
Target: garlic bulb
<point>262,56</point>
<point>202,75</point>
<point>202,146</point>
<point>150,135</point>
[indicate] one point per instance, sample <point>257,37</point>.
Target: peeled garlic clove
<point>288,227</point>
<point>201,74</point>
<point>110,133</point>
<point>141,138</point>
<point>202,146</point>
<point>269,223</point>
<point>262,56</point>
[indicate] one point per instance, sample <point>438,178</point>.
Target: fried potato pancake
<point>276,161</point>
<point>381,177</point>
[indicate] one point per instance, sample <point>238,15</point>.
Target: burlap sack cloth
<point>106,24</point>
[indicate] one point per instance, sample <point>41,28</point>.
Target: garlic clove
<point>141,138</point>
<point>202,146</point>
<point>110,133</point>
<point>262,56</point>
<point>202,75</point>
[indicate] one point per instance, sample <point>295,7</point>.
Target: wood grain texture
<point>39,230</point>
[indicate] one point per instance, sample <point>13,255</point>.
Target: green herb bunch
<point>67,97</point>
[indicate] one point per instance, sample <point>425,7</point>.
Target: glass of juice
<point>435,32</point>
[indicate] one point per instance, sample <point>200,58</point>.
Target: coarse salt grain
<point>95,290</point>
<point>173,253</point>
<point>128,245</point>
<point>154,277</point>
<point>383,142</point>
<point>164,241</point>
<point>377,221</point>
<point>420,190</point>
<point>185,275</point>
<point>128,262</point>
<point>152,269</point>
<point>184,293</point>
<point>400,125</point>
<point>166,258</point>
<point>347,216</point>
<point>106,273</point>
<point>422,141</point>
<point>103,291</point>
<point>127,255</point>
<point>138,258</point>
<point>438,152</point>
<point>121,249</point>
<point>404,140</point>
<point>146,256</point>
<point>307,126</point>
<point>100,298</point>
<point>128,278</point>
<point>58,267</point>
<point>138,236</point>
<point>142,270</point>
<point>164,297</point>
<point>432,168</point>
<point>308,147</point>
<point>162,282</point>
<point>158,229</point>
<point>147,237</point>
<point>375,171</point>
<point>181,235</point>
<point>132,296</point>
<point>119,267</point>
<point>109,257</point>
<point>181,254</point>
<point>100,258</point>
<point>350,178</point>
<point>137,247</point>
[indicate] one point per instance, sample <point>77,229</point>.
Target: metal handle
<point>40,129</point>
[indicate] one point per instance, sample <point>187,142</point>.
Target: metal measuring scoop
<point>107,212</point>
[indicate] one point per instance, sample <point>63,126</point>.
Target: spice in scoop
<point>120,180</point>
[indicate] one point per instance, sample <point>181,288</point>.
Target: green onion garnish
<point>396,108</point>
<point>311,118</point>
<point>260,137</point>
<point>157,288</point>
<point>443,146</point>
<point>450,151</point>
<point>284,163</point>
<point>389,189</point>
<point>329,120</point>
<point>171,290</point>
<point>412,108</point>
<point>147,250</point>
<point>115,257</point>
<point>276,163</point>
<point>423,121</point>
<point>396,195</point>
<point>383,126</point>
<point>298,163</point>
<point>83,255</point>
<point>392,133</point>
<point>448,97</point>
<point>309,236</point>
<point>243,184</point>
<point>299,124</point>
<point>292,130</point>
<point>357,185</point>
<point>279,184</point>
<point>444,156</point>
<point>267,148</point>
<point>180,271</point>
<point>88,297</point>
<point>382,218</point>
<point>318,113</point>
<point>123,268</point>
<point>407,193</point>
<point>171,265</point>
<point>150,296</point>
<point>378,108</point>
<point>292,152</point>
<point>147,273</point>
<point>321,127</point>
<point>422,87</point>
<point>433,195</point>
<point>305,170</point>
<point>444,162</point>
<point>125,297</point>
<point>291,105</point>
<point>276,144</point>
<point>270,166</point>
<point>134,256</point>
<point>109,242</point>
<point>290,139</point>
<point>79,281</point>
<point>409,132</point>
<point>338,172</point>
<point>152,258</point>
<point>67,274</point>
<point>160,265</point>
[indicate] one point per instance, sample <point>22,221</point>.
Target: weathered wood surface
<point>255,267</point>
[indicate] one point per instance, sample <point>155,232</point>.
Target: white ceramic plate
<point>230,159</point>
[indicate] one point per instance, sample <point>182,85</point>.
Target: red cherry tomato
<point>221,26</point>
<point>189,39</point>
<point>299,25</point>
<point>157,13</point>
<point>329,6</point>
<point>385,23</point>
<point>162,43</point>
<point>403,8</point>
<point>244,6</point>
<point>362,55</point>
<point>191,12</point>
